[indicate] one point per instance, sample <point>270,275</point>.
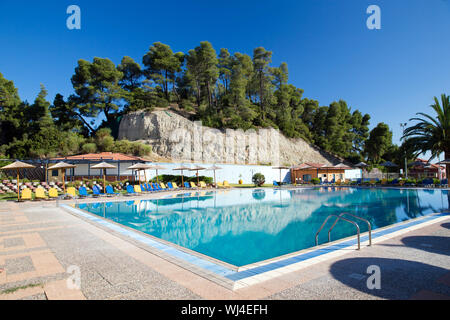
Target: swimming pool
<point>244,226</point>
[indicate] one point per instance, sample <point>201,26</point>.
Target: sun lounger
<point>203,184</point>
<point>187,185</point>
<point>40,194</point>
<point>82,191</point>
<point>137,189</point>
<point>275,184</point>
<point>71,191</point>
<point>175,186</point>
<point>26,194</point>
<point>226,184</point>
<point>169,185</point>
<point>220,185</point>
<point>97,192</point>
<point>193,185</point>
<point>110,191</point>
<point>130,190</point>
<point>53,193</point>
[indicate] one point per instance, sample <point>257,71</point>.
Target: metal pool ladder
<point>340,217</point>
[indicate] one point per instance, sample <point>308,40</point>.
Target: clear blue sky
<point>390,73</point>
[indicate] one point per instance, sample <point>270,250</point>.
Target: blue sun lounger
<point>130,190</point>
<point>97,192</point>
<point>83,192</point>
<point>110,191</point>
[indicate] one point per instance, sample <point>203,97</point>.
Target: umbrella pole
<point>182,179</point>
<point>104,180</point>
<point>63,180</point>
<point>18,188</point>
<point>215,183</point>
<point>145,176</point>
<point>198,179</point>
<point>157,180</point>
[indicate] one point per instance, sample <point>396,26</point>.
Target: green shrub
<point>315,180</point>
<point>89,148</point>
<point>258,179</point>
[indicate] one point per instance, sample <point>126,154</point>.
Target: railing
<point>340,217</point>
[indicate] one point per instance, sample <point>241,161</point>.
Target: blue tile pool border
<point>249,271</point>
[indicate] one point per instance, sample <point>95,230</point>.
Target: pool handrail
<point>356,217</point>
<point>337,219</point>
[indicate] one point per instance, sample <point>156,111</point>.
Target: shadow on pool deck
<point>432,244</point>
<point>399,279</point>
<point>446,225</point>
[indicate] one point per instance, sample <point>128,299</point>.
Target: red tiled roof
<point>103,156</point>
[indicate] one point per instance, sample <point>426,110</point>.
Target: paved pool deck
<point>41,245</point>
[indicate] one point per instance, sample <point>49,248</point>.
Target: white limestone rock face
<point>175,137</point>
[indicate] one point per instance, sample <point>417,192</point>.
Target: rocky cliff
<point>175,137</point>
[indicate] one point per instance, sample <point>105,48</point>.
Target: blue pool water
<point>244,226</point>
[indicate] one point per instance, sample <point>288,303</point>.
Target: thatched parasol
<point>17,166</point>
<point>280,168</point>
<point>362,165</point>
<point>104,166</point>
<point>157,167</point>
<point>182,168</point>
<point>214,168</point>
<point>197,169</point>
<point>62,166</point>
<point>139,167</point>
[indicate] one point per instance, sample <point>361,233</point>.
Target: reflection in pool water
<point>244,226</point>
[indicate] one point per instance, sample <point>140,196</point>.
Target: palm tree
<point>429,133</point>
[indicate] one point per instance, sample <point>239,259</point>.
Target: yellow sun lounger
<point>174,185</point>
<point>26,194</point>
<point>137,189</point>
<point>53,193</point>
<point>193,185</point>
<point>203,184</point>
<point>71,191</point>
<point>40,194</point>
<point>220,185</point>
<point>163,186</point>
<point>226,184</point>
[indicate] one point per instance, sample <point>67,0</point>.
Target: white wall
<point>230,172</point>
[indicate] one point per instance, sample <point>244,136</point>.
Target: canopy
<point>214,168</point>
<point>62,166</point>
<point>417,164</point>
<point>388,164</point>
<point>157,167</point>
<point>17,165</point>
<point>104,166</point>
<point>342,166</point>
<point>361,165</point>
<point>197,168</point>
<point>182,168</point>
<point>139,167</point>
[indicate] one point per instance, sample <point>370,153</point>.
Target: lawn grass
<point>8,196</point>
